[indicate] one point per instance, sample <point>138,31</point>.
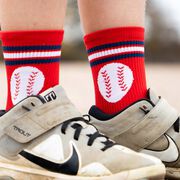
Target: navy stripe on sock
<point>111,45</point>
<point>114,58</point>
<point>31,61</point>
<point>31,48</point>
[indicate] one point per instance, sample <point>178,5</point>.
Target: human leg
<point>44,132</point>
<point>115,51</point>
<point>147,124</point>
<point>32,33</point>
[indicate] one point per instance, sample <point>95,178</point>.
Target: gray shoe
<point>45,137</point>
<point>150,126</point>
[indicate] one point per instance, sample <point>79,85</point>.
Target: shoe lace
<point>92,137</point>
<point>78,129</point>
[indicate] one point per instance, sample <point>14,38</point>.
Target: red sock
<point>116,57</point>
<point>32,62</point>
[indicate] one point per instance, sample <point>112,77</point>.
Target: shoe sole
<point>172,173</point>
<point>14,172</point>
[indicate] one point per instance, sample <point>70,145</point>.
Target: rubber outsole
<point>172,173</point>
<point>14,172</point>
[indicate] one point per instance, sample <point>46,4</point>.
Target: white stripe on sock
<point>31,54</point>
<point>115,51</point>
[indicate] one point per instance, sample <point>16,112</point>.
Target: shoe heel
<point>6,178</point>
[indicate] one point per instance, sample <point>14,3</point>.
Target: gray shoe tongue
<point>152,96</point>
<point>58,93</point>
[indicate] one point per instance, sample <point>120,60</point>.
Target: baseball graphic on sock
<point>114,81</point>
<point>26,81</point>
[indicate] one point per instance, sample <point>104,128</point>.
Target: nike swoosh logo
<point>70,166</point>
<point>170,154</point>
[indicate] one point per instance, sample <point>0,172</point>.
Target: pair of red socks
<point>116,58</point>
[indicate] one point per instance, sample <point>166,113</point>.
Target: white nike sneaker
<point>150,126</point>
<point>45,137</point>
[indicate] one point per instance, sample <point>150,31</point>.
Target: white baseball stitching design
<point>114,81</point>
<point>25,81</point>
